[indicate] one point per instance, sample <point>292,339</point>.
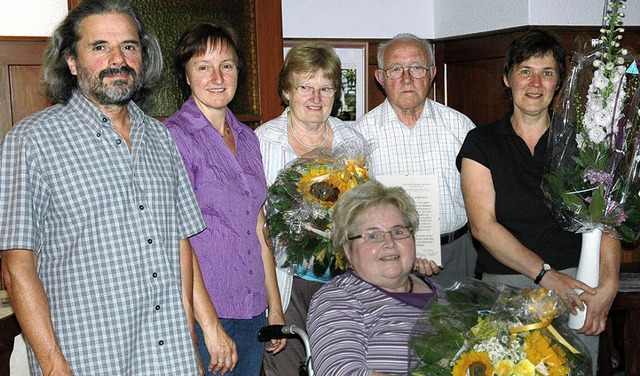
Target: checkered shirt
<point>105,224</point>
<point>429,148</point>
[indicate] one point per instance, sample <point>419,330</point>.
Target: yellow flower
<point>478,363</point>
<point>504,367</point>
<point>315,186</point>
<point>352,175</point>
<point>538,349</point>
<point>524,368</point>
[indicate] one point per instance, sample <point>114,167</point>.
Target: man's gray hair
<point>57,76</point>
<point>405,37</point>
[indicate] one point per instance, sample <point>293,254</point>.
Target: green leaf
<point>597,205</point>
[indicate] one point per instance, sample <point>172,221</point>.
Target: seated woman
<point>360,323</point>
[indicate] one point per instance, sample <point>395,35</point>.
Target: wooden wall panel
<point>27,91</point>
<point>463,81</point>
<point>470,67</point>
<point>5,101</point>
<point>270,57</point>
<point>20,60</point>
<point>376,94</point>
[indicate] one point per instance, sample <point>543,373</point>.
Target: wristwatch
<point>545,268</point>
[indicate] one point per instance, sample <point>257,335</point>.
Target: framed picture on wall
<point>353,58</point>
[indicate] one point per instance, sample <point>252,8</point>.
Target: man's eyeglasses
<point>397,71</point>
<point>379,236</point>
<point>307,91</point>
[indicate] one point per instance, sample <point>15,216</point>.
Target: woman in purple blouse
<point>223,160</point>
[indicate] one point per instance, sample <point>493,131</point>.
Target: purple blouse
<point>230,191</point>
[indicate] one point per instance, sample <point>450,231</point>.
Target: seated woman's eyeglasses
<point>379,236</point>
<point>397,71</point>
<point>307,91</point>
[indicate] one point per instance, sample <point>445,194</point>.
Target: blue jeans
<point>245,333</point>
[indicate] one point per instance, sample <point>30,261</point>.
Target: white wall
<point>461,17</point>
<point>368,19</point>
<point>31,17</point>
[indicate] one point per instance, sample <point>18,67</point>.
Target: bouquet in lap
<point>593,180</point>
<point>484,330</point>
<point>300,201</point>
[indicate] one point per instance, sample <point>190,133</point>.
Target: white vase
<point>588,270</point>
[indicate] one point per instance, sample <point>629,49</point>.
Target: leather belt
<point>452,236</point>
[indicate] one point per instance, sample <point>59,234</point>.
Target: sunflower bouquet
<point>484,330</point>
<point>299,205</point>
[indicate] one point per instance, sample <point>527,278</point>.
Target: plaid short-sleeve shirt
<point>105,223</point>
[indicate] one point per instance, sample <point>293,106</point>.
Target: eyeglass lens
<point>414,71</point>
<point>325,92</point>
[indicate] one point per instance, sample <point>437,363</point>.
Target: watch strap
<point>545,269</point>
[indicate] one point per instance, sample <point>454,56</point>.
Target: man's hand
<point>427,267</point>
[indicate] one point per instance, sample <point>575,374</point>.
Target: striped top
<point>429,148</point>
<point>356,328</point>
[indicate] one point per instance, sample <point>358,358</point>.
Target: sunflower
<point>477,363</point>
<point>315,186</point>
<point>538,349</point>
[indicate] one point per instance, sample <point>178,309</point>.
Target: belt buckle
<point>447,238</point>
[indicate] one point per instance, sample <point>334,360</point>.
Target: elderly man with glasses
<point>417,136</point>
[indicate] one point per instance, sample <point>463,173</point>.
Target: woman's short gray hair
<point>404,37</point>
<point>347,212</point>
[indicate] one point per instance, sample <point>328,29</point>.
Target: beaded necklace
<point>326,134</point>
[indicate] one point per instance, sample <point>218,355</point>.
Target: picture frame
<point>353,58</point>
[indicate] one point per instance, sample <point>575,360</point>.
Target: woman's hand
<point>276,345</point>
<point>565,285</point>
<point>426,267</point>
<point>598,309</point>
<point>222,350</point>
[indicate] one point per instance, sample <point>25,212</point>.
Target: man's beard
<point>117,92</point>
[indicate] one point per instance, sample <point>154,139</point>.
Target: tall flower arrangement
<point>593,184</point>
<point>594,138</point>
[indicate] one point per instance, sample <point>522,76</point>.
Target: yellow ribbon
<point>544,324</point>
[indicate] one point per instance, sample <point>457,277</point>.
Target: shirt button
<point>249,252</point>
<point>149,241</point>
<point>157,307</point>
<point>248,232</point>
<point>160,343</point>
<point>141,207</point>
<point>155,275</point>
<point>118,141</point>
<point>247,212</point>
<point>104,119</point>
<point>98,134</point>
<point>251,272</point>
